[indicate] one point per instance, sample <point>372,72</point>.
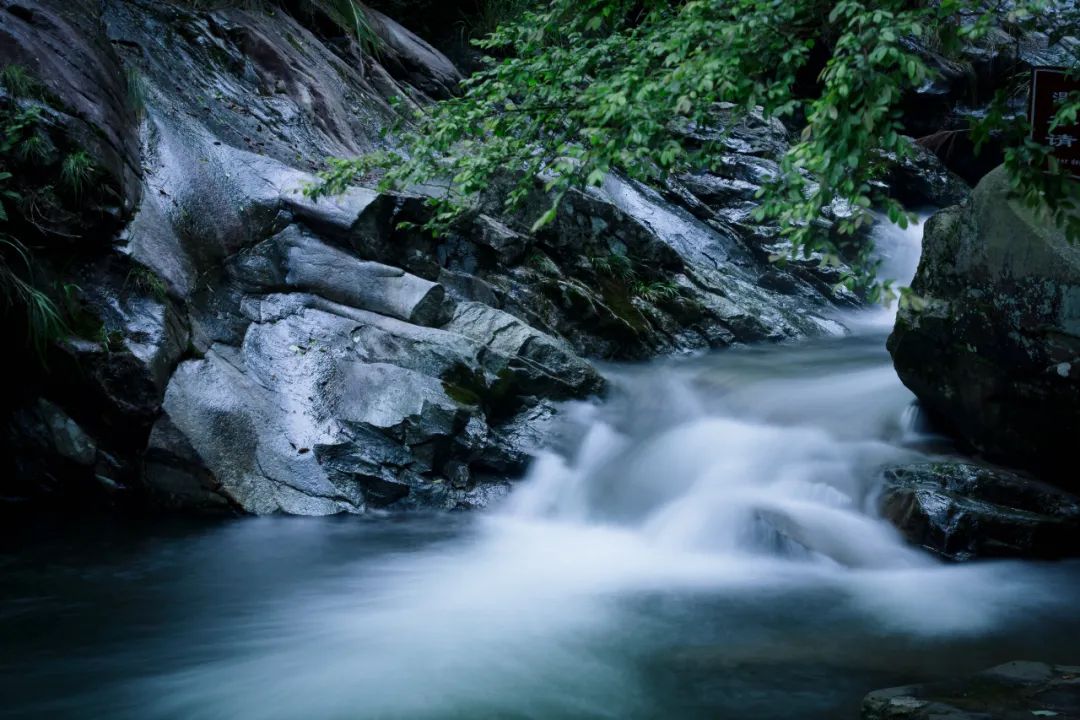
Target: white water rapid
<point>701,543</point>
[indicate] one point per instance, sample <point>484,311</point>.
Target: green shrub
<point>147,281</point>
<point>22,144</point>
<point>76,171</point>
<point>17,81</point>
<point>575,89</point>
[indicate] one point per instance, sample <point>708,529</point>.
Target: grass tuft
<point>17,81</point>
<point>77,171</point>
<point>147,281</point>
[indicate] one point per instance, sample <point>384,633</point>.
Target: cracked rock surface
<point>249,349</point>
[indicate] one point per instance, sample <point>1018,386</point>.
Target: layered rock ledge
<point>243,348</point>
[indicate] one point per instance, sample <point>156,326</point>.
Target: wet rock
<point>280,354</point>
<point>63,45</point>
<point>995,352</point>
<point>112,374</point>
<point>143,324</point>
<point>535,363</point>
<point>457,473</point>
<point>706,276</point>
<point>380,492</point>
<point>410,58</point>
<point>54,432</point>
<point>718,191</point>
<point>921,179</point>
<point>963,512</point>
<point>180,479</point>
<point>509,246</point>
<point>53,458</point>
<point>329,408</point>
<point>251,438</point>
<point>299,261</point>
<point>356,217</point>
<point>729,194</point>
<point>1013,691</point>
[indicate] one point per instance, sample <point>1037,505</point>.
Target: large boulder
<point>994,350</point>
<point>1013,691</point>
<point>327,408</point>
<point>963,511</point>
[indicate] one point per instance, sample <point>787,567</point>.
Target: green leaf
<point>546,219</point>
<point>574,87</point>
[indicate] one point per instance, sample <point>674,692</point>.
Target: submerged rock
<point>963,511</point>
<point>1013,691</point>
<point>995,351</point>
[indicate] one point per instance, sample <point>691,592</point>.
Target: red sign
<point>1050,89</point>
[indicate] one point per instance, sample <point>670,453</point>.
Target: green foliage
<point>351,16</point>
<point>43,318</point>
<point>658,291</point>
<point>621,269</point>
<point>147,281</point>
<point>110,340</point>
<point>19,128</point>
<point>6,194</point>
<point>587,87</point>
<point>76,171</point>
<point>136,91</point>
<point>33,149</point>
<point>17,81</point>
<point>16,128</point>
<point>615,266</point>
<point>21,142</point>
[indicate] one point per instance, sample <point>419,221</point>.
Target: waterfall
<point>702,542</point>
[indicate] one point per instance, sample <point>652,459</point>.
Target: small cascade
<point>702,542</point>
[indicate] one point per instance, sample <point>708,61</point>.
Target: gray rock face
<point>56,456</point>
<point>248,349</point>
<point>940,111</point>
<point>1013,691</point>
<point>995,353</point>
<point>65,47</point>
<point>963,511</point>
<point>410,58</point>
<point>55,432</point>
<point>327,408</point>
<point>628,272</point>
<point>922,180</point>
<point>299,261</point>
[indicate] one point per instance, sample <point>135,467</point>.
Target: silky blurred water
<point>701,543</point>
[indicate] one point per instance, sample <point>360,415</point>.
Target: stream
<point>703,542</point>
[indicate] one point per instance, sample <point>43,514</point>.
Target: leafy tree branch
<point>576,89</point>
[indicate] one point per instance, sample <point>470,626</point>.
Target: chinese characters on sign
<point>1050,89</point>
